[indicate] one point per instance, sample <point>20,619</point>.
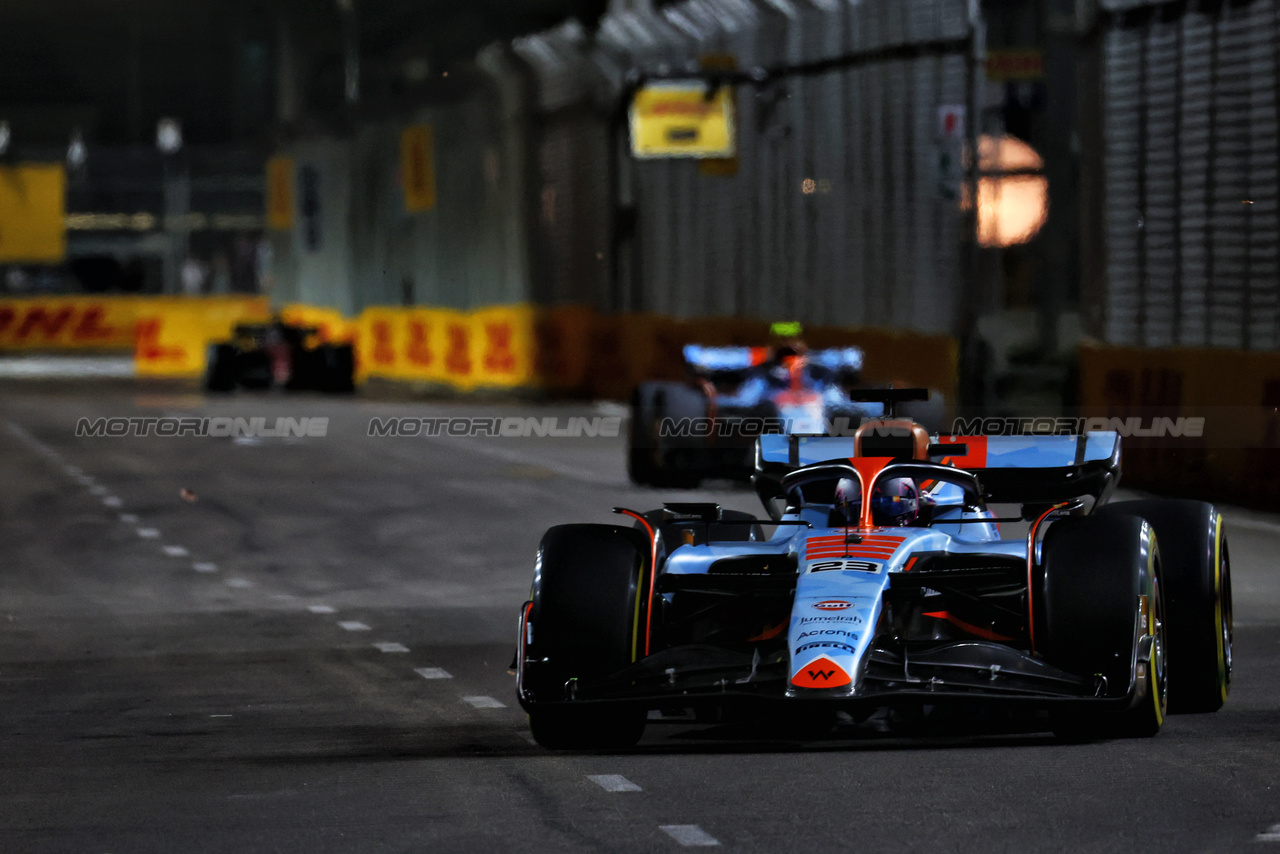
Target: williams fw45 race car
<point>886,583</point>
<point>280,355</point>
<point>707,425</point>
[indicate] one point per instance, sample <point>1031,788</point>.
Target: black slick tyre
<point>1197,581</point>
<point>220,371</point>
<point>586,621</point>
<point>1099,612</point>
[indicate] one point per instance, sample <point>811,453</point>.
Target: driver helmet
<point>847,506</point>
<point>895,501</point>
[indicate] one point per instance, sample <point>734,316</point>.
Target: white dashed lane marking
<point>112,501</point>
<point>149,533</point>
<point>204,566</point>
<point>484,702</point>
<point>321,609</point>
<point>433,673</point>
<point>613,783</point>
<point>354,626</point>
<point>689,835</point>
<point>176,551</point>
<point>1271,834</point>
<point>391,646</point>
<point>241,583</point>
<point>129,518</point>
<point>97,490</point>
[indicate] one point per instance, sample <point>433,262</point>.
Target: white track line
<point>204,566</point>
<point>433,673</point>
<point>176,551</point>
<point>149,533</point>
<point>129,518</point>
<point>240,583</point>
<point>1271,834</point>
<point>614,783</point>
<point>354,626</point>
<point>322,609</point>
<point>97,489</point>
<point>484,702</point>
<point>1253,525</point>
<point>112,501</point>
<point>390,646</point>
<point>689,835</point>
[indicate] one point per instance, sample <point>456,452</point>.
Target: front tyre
<point>585,621</point>
<point>598,728</point>
<point>1100,611</point>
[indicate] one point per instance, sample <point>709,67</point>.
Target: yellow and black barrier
<point>565,350</point>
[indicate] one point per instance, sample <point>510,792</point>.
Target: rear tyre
<point>339,368</point>
<point>1099,607</point>
<point>220,372</point>
<point>587,622</point>
<point>651,459</point>
<point>641,441</point>
<point>1197,580</point>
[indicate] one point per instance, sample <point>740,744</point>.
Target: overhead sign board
<point>417,168</point>
<point>280,193</point>
<point>682,119</point>
<point>1025,64</point>
<point>33,214</point>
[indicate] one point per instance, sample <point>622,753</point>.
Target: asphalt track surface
<point>312,656</point>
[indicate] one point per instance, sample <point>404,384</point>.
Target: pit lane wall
<point>569,350</point>
<point>1235,457</point>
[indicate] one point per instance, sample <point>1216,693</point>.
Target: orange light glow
<point>1011,208</point>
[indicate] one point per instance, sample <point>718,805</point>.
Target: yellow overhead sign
<point>33,208</point>
<point>417,168</point>
<point>280,193</point>
<point>682,119</point>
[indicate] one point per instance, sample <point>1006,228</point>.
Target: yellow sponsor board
<point>682,119</point>
<point>33,212</point>
<point>402,343</point>
<point>173,334</point>
<point>417,168</point>
<point>491,348</point>
<point>68,323</point>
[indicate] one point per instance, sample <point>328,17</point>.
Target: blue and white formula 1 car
<point>706,426</point>
<point>887,583</point>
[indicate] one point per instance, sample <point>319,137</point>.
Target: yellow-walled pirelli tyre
<point>1100,612</point>
<point>1197,582</point>
<point>585,621</point>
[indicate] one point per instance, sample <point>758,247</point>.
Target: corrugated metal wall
<point>834,212</point>
<point>1190,156</point>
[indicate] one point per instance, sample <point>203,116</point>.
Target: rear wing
<point>1011,469</point>
<point>717,359</point>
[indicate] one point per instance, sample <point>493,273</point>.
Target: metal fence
<point>1190,156</point>
<point>838,207</point>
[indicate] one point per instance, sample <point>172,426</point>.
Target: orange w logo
<point>815,675</point>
